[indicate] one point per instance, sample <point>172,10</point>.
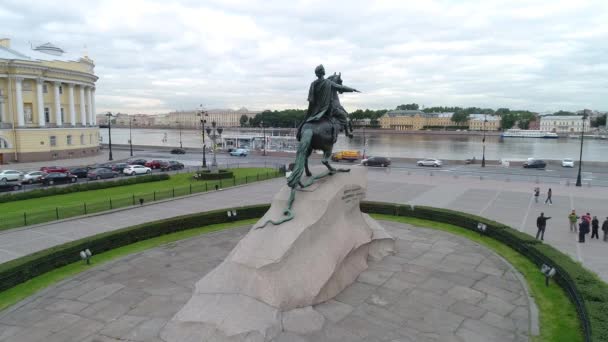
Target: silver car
<point>10,175</point>
<point>32,177</point>
<point>429,162</point>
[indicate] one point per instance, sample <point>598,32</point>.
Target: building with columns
<point>47,104</point>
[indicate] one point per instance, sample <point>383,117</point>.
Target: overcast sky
<point>159,56</point>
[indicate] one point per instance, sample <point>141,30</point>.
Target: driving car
<point>567,162</point>
<point>10,175</point>
<point>101,173</point>
<point>534,164</point>
<point>239,152</point>
<point>154,164</point>
<point>118,167</point>
<point>58,178</point>
<point>4,186</point>
<point>376,161</point>
<point>132,170</point>
<point>32,177</point>
<point>80,172</point>
<point>50,169</point>
<point>141,162</point>
<point>171,165</point>
<point>178,151</point>
<point>429,162</point>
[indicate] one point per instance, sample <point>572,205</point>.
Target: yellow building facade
<point>414,120</point>
<point>47,105</point>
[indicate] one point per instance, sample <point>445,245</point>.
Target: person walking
<point>605,229</point>
<point>595,227</point>
<point>541,224</point>
<point>536,194</point>
<point>549,194</point>
<point>583,229</point>
<point>572,219</point>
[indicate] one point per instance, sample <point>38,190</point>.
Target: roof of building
<point>481,117</point>
<point>43,52</point>
<point>400,112</point>
<point>561,117</point>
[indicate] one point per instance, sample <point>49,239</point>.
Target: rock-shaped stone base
<point>297,264</point>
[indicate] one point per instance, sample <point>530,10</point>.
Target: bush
<point>81,187</point>
<point>208,175</point>
<point>20,270</point>
<point>588,293</point>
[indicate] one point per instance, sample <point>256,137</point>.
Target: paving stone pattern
<point>438,287</point>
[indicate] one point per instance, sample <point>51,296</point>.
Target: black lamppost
<point>580,157</point>
<point>214,133</point>
<point>203,114</point>
<point>180,133</point>
<point>483,155</point>
<point>109,115</point>
<point>130,137</point>
<point>264,133</point>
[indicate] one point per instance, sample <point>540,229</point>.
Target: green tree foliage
<point>411,106</point>
<point>563,112</point>
<point>468,110</point>
<point>278,118</point>
<point>244,120</point>
<point>460,117</point>
<point>508,120</point>
<point>599,121</point>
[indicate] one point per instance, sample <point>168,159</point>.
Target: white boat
<point>529,133</point>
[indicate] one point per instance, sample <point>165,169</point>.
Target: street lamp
<point>130,137</point>
<point>483,155</point>
<point>109,115</point>
<point>180,133</point>
<point>214,133</point>
<point>203,114</point>
<point>580,157</point>
<point>264,133</point>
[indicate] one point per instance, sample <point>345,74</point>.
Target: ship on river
<point>529,133</point>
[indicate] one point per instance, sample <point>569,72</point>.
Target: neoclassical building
<point>47,104</point>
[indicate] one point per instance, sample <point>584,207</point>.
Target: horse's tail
<point>302,154</point>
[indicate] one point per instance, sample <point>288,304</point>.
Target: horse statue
<point>318,131</point>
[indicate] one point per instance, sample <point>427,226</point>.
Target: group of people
<point>586,225</point>
<point>549,195</point>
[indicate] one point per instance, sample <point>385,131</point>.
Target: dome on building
<point>50,49</point>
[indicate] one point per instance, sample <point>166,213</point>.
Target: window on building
<point>47,115</point>
<point>62,115</point>
<point>69,140</point>
<point>60,90</point>
<point>3,143</point>
<point>26,86</point>
<point>82,139</point>
<point>53,140</point>
<point>45,89</point>
<point>91,139</point>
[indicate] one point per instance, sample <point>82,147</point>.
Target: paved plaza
<point>507,202</point>
<point>437,287</point>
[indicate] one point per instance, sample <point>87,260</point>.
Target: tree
<point>460,117</point>
<point>507,119</point>
<point>563,112</point>
<point>599,121</point>
<point>411,106</point>
<point>244,120</point>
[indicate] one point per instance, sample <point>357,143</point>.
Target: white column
<point>83,114</point>
<point>19,99</point>
<point>71,104</point>
<point>94,114</point>
<point>2,110</point>
<point>89,106</point>
<point>58,120</point>
<point>40,101</point>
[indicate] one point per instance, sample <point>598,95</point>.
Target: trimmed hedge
<point>17,271</point>
<point>208,175</point>
<point>588,293</point>
<point>81,187</point>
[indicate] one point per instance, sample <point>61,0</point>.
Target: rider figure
<point>322,97</point>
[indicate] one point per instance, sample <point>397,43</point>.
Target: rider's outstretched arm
<point>343,88</point>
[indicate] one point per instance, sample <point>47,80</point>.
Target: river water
<point>405,145</point>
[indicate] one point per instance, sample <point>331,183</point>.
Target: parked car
<point>32,177</point>
<point>58,178</point>
<point>118,167</point>
<point>171,165</point>
<point>141,162</point>
<point>535,164</point>
<point>376,161</point>
<point>10,175</point>
<point>51,169</point>
<point>239,152</point>
<point>350,155</point>
<point>154,164</point>
<point>132,170</point>
<point>80,172</point>
<point>178,151</point>
<point>101,173</point>
<point>429,162</point>
<point>567,162</point>
<point>4,186</point>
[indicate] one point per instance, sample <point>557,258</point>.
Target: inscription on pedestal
<point>353,193</point>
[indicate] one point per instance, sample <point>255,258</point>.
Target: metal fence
<point>33,216</point>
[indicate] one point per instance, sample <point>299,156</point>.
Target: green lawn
<point>558,319</point>
<point>44,209</point>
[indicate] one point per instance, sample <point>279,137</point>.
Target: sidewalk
<point>507,202</point>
